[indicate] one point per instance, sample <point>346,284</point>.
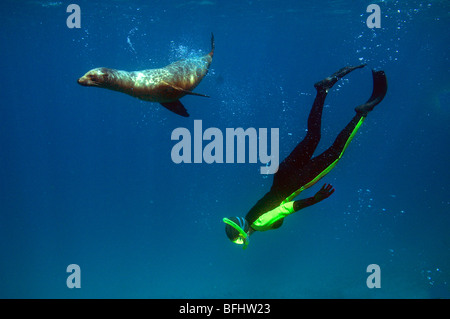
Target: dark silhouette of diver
<point>300,170</point>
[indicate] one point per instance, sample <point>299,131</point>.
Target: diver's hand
<point>324,192</point>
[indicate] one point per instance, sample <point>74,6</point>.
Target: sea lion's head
<point>99,77</point>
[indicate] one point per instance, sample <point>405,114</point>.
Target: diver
<point>300,170</point>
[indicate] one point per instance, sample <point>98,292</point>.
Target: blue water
<point>86,175</point>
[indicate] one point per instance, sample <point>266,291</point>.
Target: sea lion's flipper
<point>176,107</point>
<point>183,90</point>
<point>193,93</point>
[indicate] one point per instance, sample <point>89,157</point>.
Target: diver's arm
<point>274,218</point>
<point>323,193</point>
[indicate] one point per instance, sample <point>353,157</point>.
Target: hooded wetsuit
<point>300,169</point>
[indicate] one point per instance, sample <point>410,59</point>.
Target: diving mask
<point>244,238</point>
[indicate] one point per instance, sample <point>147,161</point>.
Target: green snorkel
<point>245,237</point>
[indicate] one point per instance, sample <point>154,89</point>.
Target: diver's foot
<point>327,83</point>
<point>378,93</point>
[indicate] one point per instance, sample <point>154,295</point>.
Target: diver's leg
<point>321,164</point>
<point>378,93</point>
<point>303,152</point>
<point>305,149</point>
<point>322,161</point>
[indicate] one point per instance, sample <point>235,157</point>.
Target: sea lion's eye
<point>94,78</point>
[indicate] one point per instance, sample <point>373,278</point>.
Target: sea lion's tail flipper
<point>176,107</point>
<point>212,45</point>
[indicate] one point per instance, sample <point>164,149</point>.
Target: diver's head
<point>237,230</point>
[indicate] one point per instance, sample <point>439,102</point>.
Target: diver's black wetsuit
<point>299,168</point>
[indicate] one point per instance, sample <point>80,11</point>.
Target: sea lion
<point>165,85</point>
